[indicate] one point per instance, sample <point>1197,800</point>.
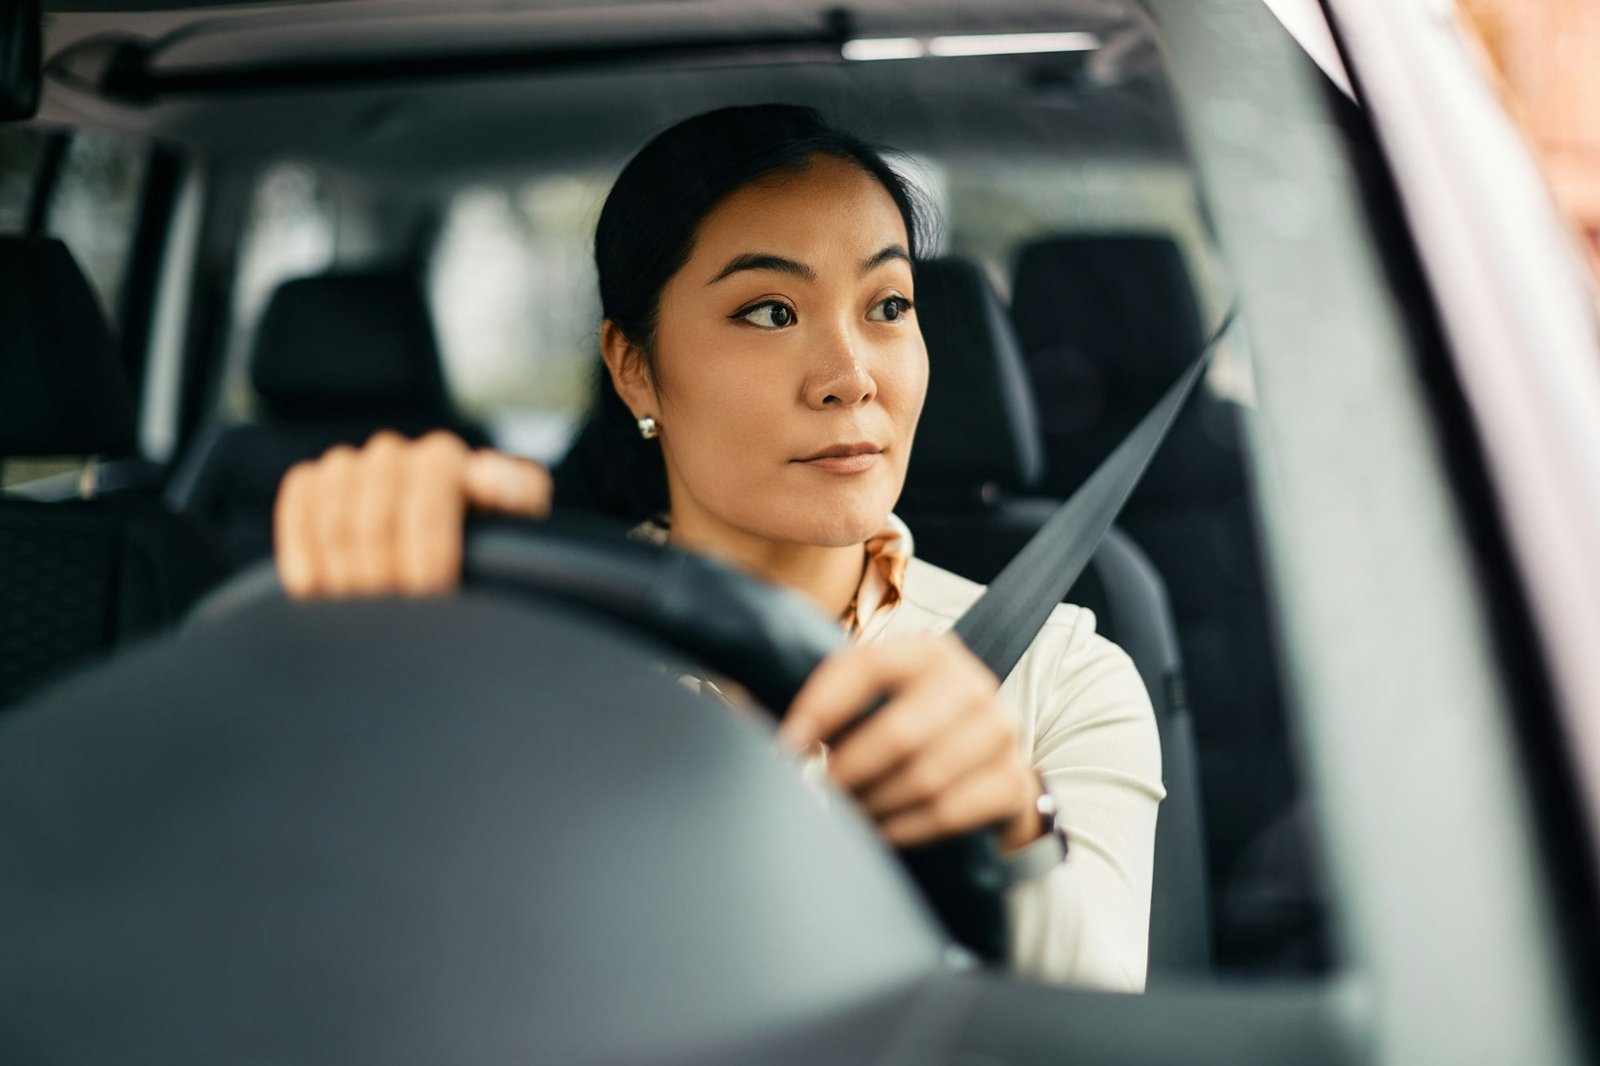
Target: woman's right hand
<point>387,518</point>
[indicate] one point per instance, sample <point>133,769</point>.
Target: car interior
<point>236,236</point>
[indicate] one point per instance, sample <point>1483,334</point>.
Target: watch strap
<point>1038,857</point>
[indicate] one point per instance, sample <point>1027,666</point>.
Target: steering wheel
<point>767,639</point>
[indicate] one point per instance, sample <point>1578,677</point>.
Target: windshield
<point>1068,270</point>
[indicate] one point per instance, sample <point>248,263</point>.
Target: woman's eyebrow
<point>765,261</point>
<point>886,254</point>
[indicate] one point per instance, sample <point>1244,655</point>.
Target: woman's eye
<point>768,315</point>
<point>890,310</point>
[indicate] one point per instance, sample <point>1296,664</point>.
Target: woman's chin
<point>838,524</point>
<point>836,515</point>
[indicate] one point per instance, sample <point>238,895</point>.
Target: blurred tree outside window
<point>94,209</point>
<point>516,306</point>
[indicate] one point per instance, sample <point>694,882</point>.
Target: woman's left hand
<point>937,759</point>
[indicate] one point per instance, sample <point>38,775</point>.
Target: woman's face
<point>790,370</point>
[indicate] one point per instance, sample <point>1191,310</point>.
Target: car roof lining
<point>590,116</point>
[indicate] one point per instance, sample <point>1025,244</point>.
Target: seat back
<point>337,357</point>
<point>78,576</point>
<point>1106,322</point>
<point>977,455</point>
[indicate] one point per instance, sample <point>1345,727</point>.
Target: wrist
<point>1046,851</point>
<point>1021,831</point>
<point>1031,823</point>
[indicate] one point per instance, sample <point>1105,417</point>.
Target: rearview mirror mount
<point>20,57</point>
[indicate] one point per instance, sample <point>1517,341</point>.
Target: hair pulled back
<point>645,235</point>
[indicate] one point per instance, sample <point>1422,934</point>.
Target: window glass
<point>991,208</point>
<point>516,306</point>
<point>94,208</point>
<point>21,151</point>
<point>291,231</point>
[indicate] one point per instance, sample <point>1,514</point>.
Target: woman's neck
<point>828,576</point>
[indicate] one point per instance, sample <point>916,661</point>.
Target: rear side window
<point>515,304</point>
<point>94,208</point>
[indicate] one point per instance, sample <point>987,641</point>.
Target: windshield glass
<point>1065,232</point>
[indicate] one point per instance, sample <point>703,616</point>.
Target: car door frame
<point>1403,692</point>
<point>1507,277</point>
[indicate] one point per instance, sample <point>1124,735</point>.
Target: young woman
<point>766,373</point>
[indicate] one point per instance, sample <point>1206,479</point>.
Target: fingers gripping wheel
<point>767,639</point>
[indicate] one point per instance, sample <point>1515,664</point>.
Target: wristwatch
<point>1039,857</point>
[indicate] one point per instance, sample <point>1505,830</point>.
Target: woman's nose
<point>840,379</point>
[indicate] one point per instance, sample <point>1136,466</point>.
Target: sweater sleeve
<point>1092,736</point>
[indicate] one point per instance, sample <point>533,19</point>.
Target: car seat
<point>337,357</point>
<point>1106,322</point>
<point>977,453</point>
<point>78,576</point>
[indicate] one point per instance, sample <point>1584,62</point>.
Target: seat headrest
<point>978,427</point>
<point>349,344</point>
<point>63,390</point>
<point>1108,322</point>
<point>1123,303</point>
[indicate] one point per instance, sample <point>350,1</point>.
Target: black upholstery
<point>963,518</point>
<point>61,390</point>
<point>336,358</point>
<point>348,346</point>
<point>985,431</point>
<point>1107,322</point>
<point>77,577</point>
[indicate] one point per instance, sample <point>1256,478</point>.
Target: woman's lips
<point>842,464</point>
<point>844,458</point>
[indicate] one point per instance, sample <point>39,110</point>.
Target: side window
<point>94,208</point>
<point>94,199</point>
<point>291,231</point>
<point>516,306</point>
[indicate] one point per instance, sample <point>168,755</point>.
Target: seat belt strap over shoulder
<point>1000,625</point>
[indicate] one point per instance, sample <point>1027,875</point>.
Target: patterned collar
<point>883,582</point>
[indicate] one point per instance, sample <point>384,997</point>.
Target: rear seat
<point>337,357</point>
<point>78,576</point>
<point>977,455</point>
<point>1107,322</point>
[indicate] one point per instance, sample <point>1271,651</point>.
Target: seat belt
<point>1002,622</point>
<point>961,876</point>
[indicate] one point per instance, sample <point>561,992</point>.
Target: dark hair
<point>645,235</point>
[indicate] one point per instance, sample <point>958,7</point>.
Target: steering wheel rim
<point>766,638</point>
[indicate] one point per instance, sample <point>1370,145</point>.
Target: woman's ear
<point>630,375</point>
